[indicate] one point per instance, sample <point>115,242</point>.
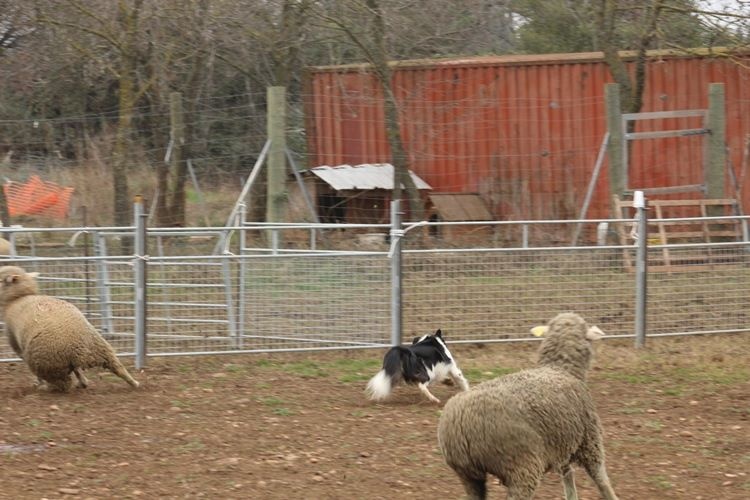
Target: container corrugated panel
<point>523,131</point>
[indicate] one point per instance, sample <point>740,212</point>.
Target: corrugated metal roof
<point>361,177</point>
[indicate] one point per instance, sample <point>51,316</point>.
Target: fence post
<point>616,147</point>
<point>102,283</point>
<point>276,164</point>
<point>716,145</point>
<point>240,328</point>
<point>139,265</point>
<point>640,204</point>
<point>396,277</point>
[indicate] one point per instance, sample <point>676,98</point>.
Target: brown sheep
<point>52,336</point>
<point>519,426</point>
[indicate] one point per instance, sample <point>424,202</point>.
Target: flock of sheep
<point>516,427</point>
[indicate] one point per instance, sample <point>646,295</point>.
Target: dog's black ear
<point>416,339</point>
<point>439,333</point>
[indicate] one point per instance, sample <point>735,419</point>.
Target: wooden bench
<point>679,232</point>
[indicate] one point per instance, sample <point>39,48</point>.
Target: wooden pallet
<point>679,232</point>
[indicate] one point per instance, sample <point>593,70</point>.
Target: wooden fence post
<point>276,165</point>
<point>615,149</point>
<point>716,148</point>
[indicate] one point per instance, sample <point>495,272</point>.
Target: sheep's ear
<point>33,274</point>
<point>539,331</point>
<point>594,333</point>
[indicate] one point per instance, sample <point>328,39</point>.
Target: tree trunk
<point>187,127</point>
<point>128,21</point>
<point>121,153</point>
<point>4,213</point>
<point>631,90</point>
<point>392,122</point>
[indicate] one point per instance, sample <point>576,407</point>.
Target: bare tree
<point>606,16</point>
<point>116,33</point>
<point>185,38</point>
<point>612,26</point>
<point>371,41</point>
<point>14,24</point>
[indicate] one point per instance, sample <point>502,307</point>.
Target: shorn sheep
<point>519,426</point>
<point>52,336</point>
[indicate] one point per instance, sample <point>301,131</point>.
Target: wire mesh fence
<point>493,295</point>
<point>255,298</point>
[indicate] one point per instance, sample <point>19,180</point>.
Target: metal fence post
<point>139,265</point>
<point>240,328</point>
<point>640,204</point>
<point>102,283</point>
<point>397,234</point>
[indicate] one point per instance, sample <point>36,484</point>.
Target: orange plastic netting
<point>37,197</point>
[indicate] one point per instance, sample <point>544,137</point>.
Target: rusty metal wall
<point>523,131</point>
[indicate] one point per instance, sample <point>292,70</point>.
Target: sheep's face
<point>567,343</point>
<point>16,283</point>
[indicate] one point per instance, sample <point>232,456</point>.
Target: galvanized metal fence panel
<point>495,295</point>
<point>700,296</point>
<point>189,305</point>
<point>281,298</point>
<point>329,301</point>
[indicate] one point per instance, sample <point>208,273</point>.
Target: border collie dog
<point>426,361</point>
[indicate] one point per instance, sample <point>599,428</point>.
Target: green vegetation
<point>661,481</point>
<point>276,406</point>
<point>632,378</point>
<point>192,445</point>
<point>271,401</point>
<point>476,375</point>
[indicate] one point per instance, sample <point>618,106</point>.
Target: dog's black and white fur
<point>426,361</point>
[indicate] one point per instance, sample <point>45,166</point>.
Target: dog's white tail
<point>379,386</point>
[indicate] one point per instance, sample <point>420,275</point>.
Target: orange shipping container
<point>524,131</point>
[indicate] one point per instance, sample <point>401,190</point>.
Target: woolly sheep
<point>5,247</point>
<point>52,336</point>
<point>519,426</point>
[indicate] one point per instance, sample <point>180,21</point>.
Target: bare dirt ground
<point>676,417</point>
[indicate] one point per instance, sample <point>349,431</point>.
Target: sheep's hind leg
<point>599,475</point>
<point>476,489</point>
<point>426,392</point>
<point>60,385</point>
<point>523,486</point>
<point>521,492</point>
<point>82,380</point>
<point>569,483</point>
